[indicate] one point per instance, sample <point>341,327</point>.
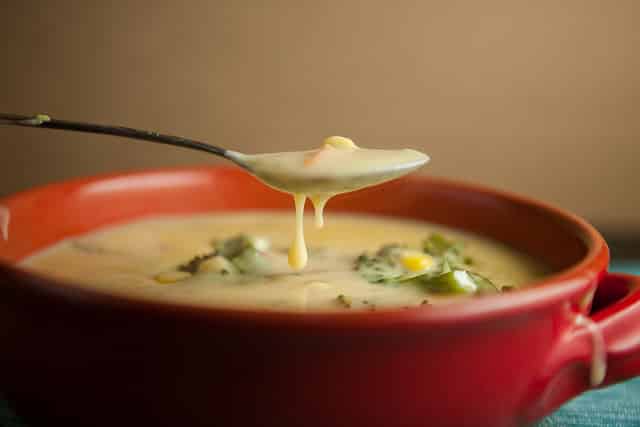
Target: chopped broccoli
<point>439,246</point>
<point>450,274</point>
<point>379,269</point>
<point>242,253</point>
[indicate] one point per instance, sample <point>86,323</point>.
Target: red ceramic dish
<point>75,357</point>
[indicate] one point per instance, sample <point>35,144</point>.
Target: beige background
<point>540,97</point>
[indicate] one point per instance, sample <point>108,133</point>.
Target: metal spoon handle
<point>46,122</point>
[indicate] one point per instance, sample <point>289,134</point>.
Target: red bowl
<point>78,357</point>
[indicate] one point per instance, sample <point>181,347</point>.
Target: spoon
<point>336,171</point>
<point>337,167</point>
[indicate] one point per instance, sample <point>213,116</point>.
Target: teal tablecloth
<point>615,406</point>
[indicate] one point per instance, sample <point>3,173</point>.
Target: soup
<point>240,260</point>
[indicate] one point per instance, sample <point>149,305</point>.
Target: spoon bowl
<point>338,171</point>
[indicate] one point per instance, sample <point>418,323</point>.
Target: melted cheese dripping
<point>338,166</point>
<point>298,254</point>
<point>4,222</point>
<point>319,200</point>
<point>598,356</point>
<point>298,251</point>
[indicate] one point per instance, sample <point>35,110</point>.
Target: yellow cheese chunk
<point>171,277</point>
<point>416,261</point>
<point>340,142</point>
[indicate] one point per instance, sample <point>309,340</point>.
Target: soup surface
<point>240,260</point>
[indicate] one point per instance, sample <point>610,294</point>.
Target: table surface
<point>615,406</point>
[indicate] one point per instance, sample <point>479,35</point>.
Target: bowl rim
<point>556,288</point>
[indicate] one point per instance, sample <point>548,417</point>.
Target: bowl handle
<point>610,334</point>
<point>616,313</point>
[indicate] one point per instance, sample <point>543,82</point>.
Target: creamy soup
<point>240,260</point>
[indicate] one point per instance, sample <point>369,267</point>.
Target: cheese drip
<point>598,370</point>
<point>319,201</point>
<point>338,166</point>
<point>298,254</point>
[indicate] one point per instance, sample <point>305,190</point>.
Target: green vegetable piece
<point>250,261</point>
<point>452,282</point>
<point>445,266</point>
<point>242,253</point>
<point>436,244</point>
<point>386,266</point>
<point>218,264</point>
<point>389,250</point>
<point>379,269</point>
<point>194,263</point>
<point>459,282</point>
<point>232,247</point>
<point>485,286</point>
<point>343,301</point>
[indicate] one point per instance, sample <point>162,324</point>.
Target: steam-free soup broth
<point>240,260</point>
